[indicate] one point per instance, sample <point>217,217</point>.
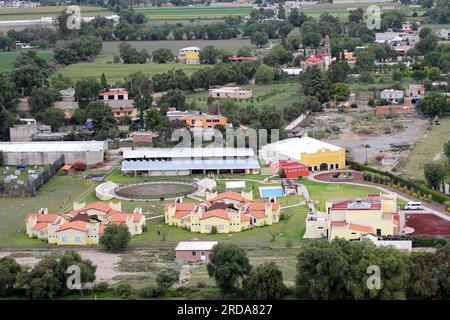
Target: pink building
<point>194,251</point>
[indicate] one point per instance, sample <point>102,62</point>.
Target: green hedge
<point>436,196</point>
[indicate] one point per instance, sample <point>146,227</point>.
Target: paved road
<point>426,209</point>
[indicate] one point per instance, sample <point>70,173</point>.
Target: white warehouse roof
<point>294,147</point>
<point>52,146</point>
<point>187,152</point>
<point>195,245</point>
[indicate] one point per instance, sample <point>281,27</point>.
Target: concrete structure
<point>321,59</point>
<point>189,55</point>
<point>194,119</point>
<point>443,34</point>
<point>143,136</point>
<point>315,154</point>
<point>113,94</point>
<point>25,132</point>
<point>241,58</point>
<point>392,95</point>
<point>68,103</point>
<point>40,153</point>
<point>353,218</point>
<point>225,213</point>
<point>291,169</point>
<point>230,92</point>
<point>122,112</point>
<point>292,71</point>
<point>186,161</point>
<point>402,245</point>
<point>83,225</point>
<point>194,251</point>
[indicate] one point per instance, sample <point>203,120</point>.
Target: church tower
<point>327,52</point>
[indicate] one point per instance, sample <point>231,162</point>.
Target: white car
<point>413,206</point>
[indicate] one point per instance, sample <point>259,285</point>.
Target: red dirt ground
<point>428,225</point>
<point>328,177</point>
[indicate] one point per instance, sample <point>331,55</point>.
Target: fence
<point>30,186</point>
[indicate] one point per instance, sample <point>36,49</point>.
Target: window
<point>77,239</point>
<point>194,253</point>
<point>207,226</point>
<point>64,239</point>
<point>378,232</point>
<point>221,227</point>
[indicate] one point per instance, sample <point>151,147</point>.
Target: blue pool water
<point>267,192</point>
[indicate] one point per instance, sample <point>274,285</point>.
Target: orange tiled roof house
<point>225,212</point>
<point>83,225</point>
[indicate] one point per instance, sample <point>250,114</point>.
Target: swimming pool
<point>266,192</point>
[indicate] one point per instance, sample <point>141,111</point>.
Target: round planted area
<point>155,190</point>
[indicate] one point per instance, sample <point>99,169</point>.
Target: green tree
<point>152,119</point>
<point>8,94</point>
<point>115,237</point>
<point>162,55</point>
<point>166,277</point>
<point>103,121</point>
<point>49,277</point>
<point>53,117</point>
<point>264,74</point>
<point>434,103</point>
<point>259,39</point>
<point>173,99</point>
<point>447,150</point>
<point>340,91</point>
<point>87,90</point>
<point>434,174</point>
<point>7,120</point>
<point>265,282</point>
<point>9,269</point>
<point>40,99</point>
<point>316,84</point>
<point>228,265</point>
<point>209,55</point>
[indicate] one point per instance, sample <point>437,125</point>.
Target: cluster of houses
<point>401,101</point>
<point>83,225</point>
<point>224,212</point>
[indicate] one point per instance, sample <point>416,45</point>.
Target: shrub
<point>124,290</point>
<point>151,292</point>
<point>101,287</point>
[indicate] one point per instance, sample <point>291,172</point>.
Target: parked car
<point>413,206</point>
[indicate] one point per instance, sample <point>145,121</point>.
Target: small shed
<point>68,169</point>
<point>193,251</point>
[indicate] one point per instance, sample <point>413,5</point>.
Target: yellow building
<point>83,225</point>
<point>316,154</point>
<point>226,212</point>
<point>352,218</point>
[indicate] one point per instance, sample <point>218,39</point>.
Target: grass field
<point>324,192</point>
<point>284,95</point>
<point>429,149</point>
<point>202,12</point>
<point>118,72</point>
<point>7,59</point>
<point>7,14</point>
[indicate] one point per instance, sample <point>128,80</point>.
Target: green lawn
<point>324,192</point>
<point>292,228</point>
<point>427,150</point>
<point>7,59</point>
<point>204,12</point>
<point>118,72</point>
<point>7,14</point>
<point>275,95</point>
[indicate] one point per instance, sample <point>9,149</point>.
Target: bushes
<point>151,292</point>
<point>124,290</point>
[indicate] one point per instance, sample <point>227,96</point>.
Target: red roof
<point>257,214</point>
<point>314,59</point>
<point>229,195</point>
<point>123,217</point>
<point>338,223</point>
<point>245,217</point>
<point>360,228</point>
<point>76,225</point>
<point>216,213</point>
<point>99,206</point>
<point>40,225</point>
<point>113,92</point>
<point>49,218</point>
<point>369,203</point>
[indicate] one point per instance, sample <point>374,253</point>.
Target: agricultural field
<point>8,14</point>
<point>7,59</point>
<point>118,72</point>
<point>342,9</point>
<point>429,149</point>
<point>194,12</point>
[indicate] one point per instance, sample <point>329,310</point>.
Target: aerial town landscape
<point>224,150</point>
